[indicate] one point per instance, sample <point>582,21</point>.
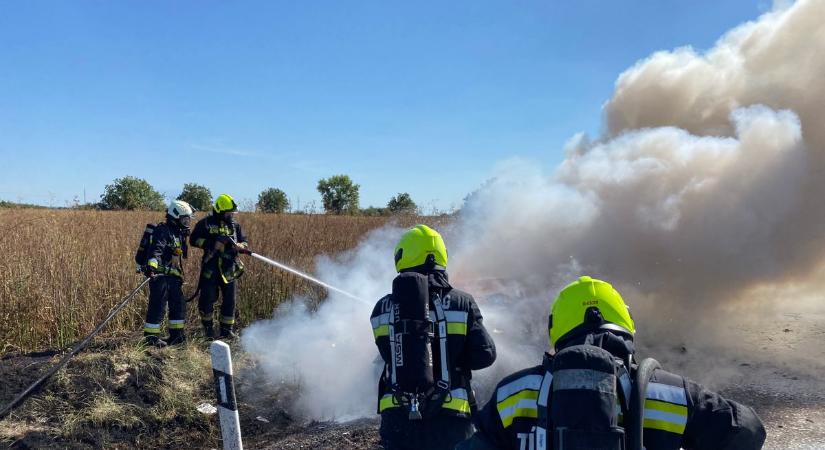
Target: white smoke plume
<point>702,202</point>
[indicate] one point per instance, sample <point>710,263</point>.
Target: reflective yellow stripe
<point>666,407</point>
<point>520,404</point>
<point>386,403</point>
<point>531,382</point>
<point>153,263</point>
<point>664,426</point>
<point>519,412</point>
<point>227,320</point>
<point>381,330</point>
<point>175,326</point>
<point>455,402</point>
<point>665,416</point>
<point>456,328</point>
<point>515,398</point>
<point>151,330</point>
<point>458,404</point>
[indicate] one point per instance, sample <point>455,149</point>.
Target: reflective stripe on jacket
<point>165,253</point>
<point>469,347</point>
<point>222,263</point>
<point>678,414</point>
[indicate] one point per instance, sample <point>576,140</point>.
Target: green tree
<point>272,200</point>
<point>374,211</point>
<point>402,204</point>
<point>131,193</point>
<point>196,195</point>
<point>339,194</point>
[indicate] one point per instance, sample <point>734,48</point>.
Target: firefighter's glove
<point>243,248</point>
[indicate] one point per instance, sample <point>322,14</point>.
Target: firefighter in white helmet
<point>165,252</point>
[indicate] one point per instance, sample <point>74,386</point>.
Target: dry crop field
<point>62,271</point>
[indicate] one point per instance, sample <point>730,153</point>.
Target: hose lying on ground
<point>31,389</point>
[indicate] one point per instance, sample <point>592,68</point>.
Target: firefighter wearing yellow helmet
<point>587,305</point>
<point>420,246</point>
<point>592,393</point>
<point>430,337</point>
<point>222,239</point>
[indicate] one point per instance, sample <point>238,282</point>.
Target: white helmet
<point>178,209</point>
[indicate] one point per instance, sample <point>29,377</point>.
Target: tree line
<point>339,195</point>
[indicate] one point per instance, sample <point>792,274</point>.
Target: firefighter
<point>165,253</point>
<point>222,239</point>
<point>430,337</point>
<point>578,398</point>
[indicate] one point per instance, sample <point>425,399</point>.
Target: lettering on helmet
<point>593,302</point>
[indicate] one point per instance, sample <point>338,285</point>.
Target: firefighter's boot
<point>208,330</point>
<point>227,332</point>
<point>154,340</point>
<point>177,337</point>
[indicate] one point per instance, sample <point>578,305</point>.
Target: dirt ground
<point>787,392</point>
<point>790,399</point>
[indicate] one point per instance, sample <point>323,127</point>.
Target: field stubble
<point>64,270</point>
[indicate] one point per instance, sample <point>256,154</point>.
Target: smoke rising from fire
<point>701,202</point>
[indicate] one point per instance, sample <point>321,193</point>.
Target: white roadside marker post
<point>225,389</point>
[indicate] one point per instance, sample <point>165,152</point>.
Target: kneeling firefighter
<point>430,337</point>
<point>592,395</point>
<point>222,239</point>
<point>160,256</point>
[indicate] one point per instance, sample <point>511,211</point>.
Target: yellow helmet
<point>225,203</point>
<point>588,304</point>
<point>418,246</point>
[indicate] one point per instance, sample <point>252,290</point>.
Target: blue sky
<point>422,97</point>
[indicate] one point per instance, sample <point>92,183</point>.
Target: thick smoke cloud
<point>329,354</point>
<point>701,202</point>
<point>669,212</point>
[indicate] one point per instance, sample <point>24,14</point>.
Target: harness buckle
<point>415,413</point>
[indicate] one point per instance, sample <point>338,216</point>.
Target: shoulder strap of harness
<point>635,420</point>
<point>441,320</point>
<point>393,350</point>
<point>543,412</point>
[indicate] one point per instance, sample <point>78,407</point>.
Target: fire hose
<point>305,276</point>
<point>271,262</point>
<point>37,384</point>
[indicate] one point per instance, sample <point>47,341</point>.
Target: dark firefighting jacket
<point>678,414</point>
<point>469,346</point>
<point>166,250</point>
<point>223,263</point>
